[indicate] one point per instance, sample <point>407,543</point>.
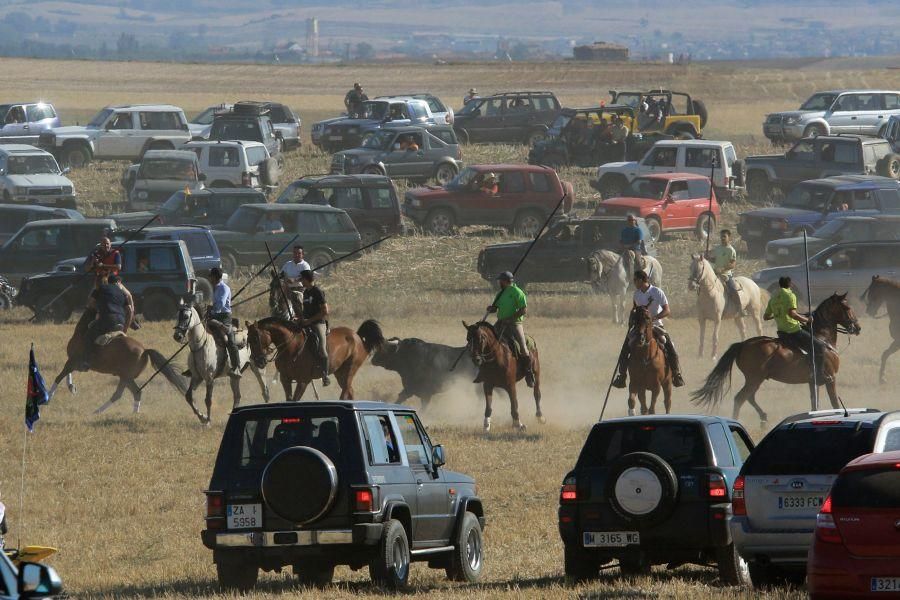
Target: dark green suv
<point>510,117</point>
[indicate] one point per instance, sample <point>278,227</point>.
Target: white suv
<point>237,163</point>
<point>119,132</point>
<point>31,176</point>
<point>863,112</point>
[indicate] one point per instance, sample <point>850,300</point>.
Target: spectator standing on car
<point>291,271</point>
<point>782,308</point>
<point>114,312</point>
<point>510,305</point>
<point>220,318</point>
<point>354,99</point>
<point>632,237</point>
<point>315,316</point>
<point>618,134</point>
<point>724,259</point>
<point>473,93</point>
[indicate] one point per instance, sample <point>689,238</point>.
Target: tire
<point>634,565</point>
<point>758,185</point>
<point>205,287</point>
<point>762,576</point>
<point>300,484</point>
<point>642,489</point>
<point>467,558</point>
<point>462,136</point>
<point>612,186</point>
<point>655,227</point>
<point>535,136</point>
<point>578,565</point>
<point>158,306</point>
<point>733,570</point>
<point>236,576</point>
<point>229,263</point>
<point>314,573</point>
<point>318,258</point>
<point>706,224</point>
<point>58,312</point>
<point>5,301</point>
<point>527,223</point>
<point>76,156</point>
<point>444,173</point>
<point>889,166</point>
<point>814,131</point>
<point>440,222</point>
<point>699,109</point>
<point>373,170</point>
<point>390,566</point>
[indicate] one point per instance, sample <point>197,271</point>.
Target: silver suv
<point>828,113</point>
<point>23,122</point>
<point>786,478</point>
<point>29,175</point>
<point>119,132</point>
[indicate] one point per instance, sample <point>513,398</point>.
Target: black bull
<point>424,367</point>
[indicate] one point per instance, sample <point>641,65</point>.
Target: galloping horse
<point>614,273</point>
<point>123,356</point>
<point>762,358</point>
<point>209,361</point>
<point>647,368</point>
<point>711,302</point>
<point>885,291</point>
<point>499,367</point>
<point>297,360</point>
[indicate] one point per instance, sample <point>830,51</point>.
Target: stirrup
<point>620,380</point>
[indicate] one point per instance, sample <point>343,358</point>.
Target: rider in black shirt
<point>114,310</point>
<point>315,316</point>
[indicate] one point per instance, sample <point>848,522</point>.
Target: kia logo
<point>797,485</point>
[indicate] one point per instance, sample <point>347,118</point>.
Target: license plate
<point>608,539</point>
<point>244,516</point>
<point>885,584</point>
<point>799,502</point>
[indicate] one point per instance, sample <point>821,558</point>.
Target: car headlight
<point>68,189</point>
<point>792,120</point>
<point>20,190</point>
<point>142,195</point>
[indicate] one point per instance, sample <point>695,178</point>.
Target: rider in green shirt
<point>783,309</point>
<point>511,306</point>
<point>724,259</point>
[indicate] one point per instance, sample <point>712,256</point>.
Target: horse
<point>885,291</point>
<point>499,367</point>
<point>614,273</point>
<point>711,302</point>
<point>647,368</point>
<point>123,356</point>
<point>762,358</point>
<point>296,357</point>
<point>209,361</point>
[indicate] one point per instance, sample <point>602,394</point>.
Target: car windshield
<point>812,450</point>
<point>807,197</point>
<point>463,179</point>
<point>376,111</point>
<point>471,106</point>
<point>680,444</point>
<point>829,229</point>
<point>378,140</point>
<point>649,189</point>
<point>100,118</point>
<point>168,168</point>
<point>244,220</point>
<point>263,438</point>
<point>32,165</point>
<point>224,129</point>
<point>631,99</point>
<point>295,193</point>
<point>819,102</point>
<point>206,117</point>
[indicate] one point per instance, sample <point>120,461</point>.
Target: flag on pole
<point>36,393</point>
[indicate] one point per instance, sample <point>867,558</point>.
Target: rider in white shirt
<point>290,272</point>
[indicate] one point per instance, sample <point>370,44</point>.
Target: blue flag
<point>36,394</point>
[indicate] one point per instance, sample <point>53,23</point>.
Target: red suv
<point>668,202</point>
<point>525,196</point>
<point>856,551</point>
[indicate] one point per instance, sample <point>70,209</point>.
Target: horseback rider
<point>724,259</point>
<point>115,312</point>
<point>783,309</point>
<point>290,272</point>
<point>220,318</point>
<point>632,238</point>
<point>511,305</point>
<point>647,294</point>
<point>315,317</point>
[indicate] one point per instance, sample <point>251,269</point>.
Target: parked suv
<point>160,174</point>
<point>370,200</point>
<point>651,490</point>
<point>441,113</point>
<point>14,216</point>
<point>122,132</point>
<point>815,158</point>
<point>287,123</point>
<point>237,163</point>
<point>211,207</point>
<point>784,482</point>
<point>23,122</point>
<point>815,202</point>
<point>789,251</point>
<point>30,175</point>
<point>312,485</point>
<point>404,153</point>
<point>526,195</point>
<point>39,245</point>
<point>349,131</point>
<point>832,112</point>
<point>247,121</point>
<point>514,117</point>
<point>199,126</point>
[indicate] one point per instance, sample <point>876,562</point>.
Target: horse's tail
<point>718,382</point>
<point>371,334</point>
<point>159,363</point>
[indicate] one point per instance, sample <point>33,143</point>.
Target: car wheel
<point>758,186</point>
<point>634,565</point>
<point>462,136</point>
<point>52,308</point>
<point>733,570</point>
<point>538,135</point>
<point>814,131</point>
<point>889,166</point>
<point>229,263</point>
<point>706,224</point>
<point>440,222</point>
<point>204,286</point>
<point>390,567</point>
<point>236,575</point>
<point>314,573</point>
<point>527,223</point>
<point>445,173</point>
<point>318,258</point>
<point>76,156</point>
<point>467,558</point>
<point>5,302</point>
<point>578,565</point>
<point>158,306</point>
<point>642,488</point>
<point>654,226</point>
<point>612,186</point>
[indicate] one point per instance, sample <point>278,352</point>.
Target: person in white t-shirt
<point>647,294</point>
<point>290,272</point>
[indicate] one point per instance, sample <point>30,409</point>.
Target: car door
<point>833,272</point>
<point>517,118</point>
<point>119,136</point>
<point>677,207</point>
<point>869,114</point>
<point>661,159</point>
<point>397,161</point>
<point>799,165</point>
<point>14,123</point>
<point>33,250</point>
<point>843,117</point>
<point>487,122</point>
<point>154,124</point>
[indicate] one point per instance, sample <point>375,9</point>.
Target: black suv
<point>39,245</point>
<point>654,489</point>
<point>517,117</point>
<point>318,484</point>
<point>211,207</point>
<point>248,121</point>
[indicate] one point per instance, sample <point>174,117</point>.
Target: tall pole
<point>712,175</point>
<point>812,335</point>
<point>287,303</point>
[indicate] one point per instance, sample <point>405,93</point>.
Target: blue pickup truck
<point>815,202</point>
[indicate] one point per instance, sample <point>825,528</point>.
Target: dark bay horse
<point>647,368</point>
<point>887,292</point>
<point>762,358</point>
<point>498,367</point>
<point>124,357</point>
<point>297,360</point>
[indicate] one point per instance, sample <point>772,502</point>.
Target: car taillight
<point>364,501</point>
<point>568,492</point>
<point>826,529</point>
<point>738,505</point>
<point>716,487</point>
<point>245,179</point>
<point>215,510</point>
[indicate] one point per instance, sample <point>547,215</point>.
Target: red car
<point>856,550</point>
<point>523,198</point>
<point>668,202</point>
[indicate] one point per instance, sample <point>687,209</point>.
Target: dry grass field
<point>120,494</point>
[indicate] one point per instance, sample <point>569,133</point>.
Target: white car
<point>237,163</point>
<point>29,175</point>
<point>863,112</point>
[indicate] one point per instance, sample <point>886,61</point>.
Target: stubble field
<point>120,494</point>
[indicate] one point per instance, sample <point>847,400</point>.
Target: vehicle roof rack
<point>830,412</point>
<point>250,107</point>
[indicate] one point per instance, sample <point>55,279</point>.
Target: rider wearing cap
<point>315,316</point>
<point>220,318</point>
<point>511,306</point>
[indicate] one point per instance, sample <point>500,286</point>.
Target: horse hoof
<point>137,407</point>
<point>630,412</point>
<point>541,419</point>
<point>73,390</point>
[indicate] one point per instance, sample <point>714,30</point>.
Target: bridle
<point>183,326</point>
<point>479,355</point>
<point>697,279</point>
<point>851,327</point>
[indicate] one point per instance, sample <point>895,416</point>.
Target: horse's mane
<point>486,324</point>
<point>290,325</point>
<point>886,282</point>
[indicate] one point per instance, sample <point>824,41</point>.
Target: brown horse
<point>647,368</point>
<point>297,360</point>
<point>762,358</point>
<point>887,292</point>
<point>123,357</point>
<point>499,367</point>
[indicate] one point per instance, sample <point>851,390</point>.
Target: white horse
<point>711,302</point>
<point>209,361</point>
<point>614,274</point>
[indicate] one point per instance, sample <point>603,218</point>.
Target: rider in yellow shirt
<point>783,309</point>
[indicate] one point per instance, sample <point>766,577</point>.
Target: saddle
<point>106,338</point>
<point>508,338</point>
<point>791,344</point>
<point>240,335</point>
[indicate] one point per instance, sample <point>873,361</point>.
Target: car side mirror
<point>38,581</point>
<point>184,127</point>
<point>437,456</point>
<point>828,263</point>
<point>65,171</point>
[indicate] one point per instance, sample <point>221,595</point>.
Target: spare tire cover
<point>642,488</point>
<point>299,484</point>
<point>270,171</point>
